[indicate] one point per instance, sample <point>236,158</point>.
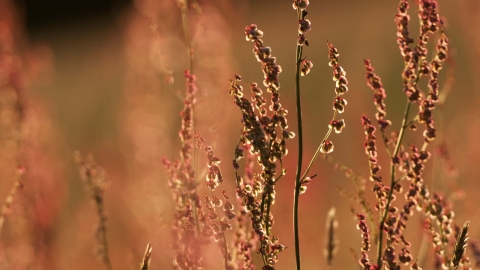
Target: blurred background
<point>104,77</point>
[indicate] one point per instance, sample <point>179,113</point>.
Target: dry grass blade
<point>332,241</point>
<point>460,246</point>
<point>145,265</point>
<point>95,182</point>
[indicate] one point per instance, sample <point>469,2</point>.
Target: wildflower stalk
<point>298,59</point>
<point>188,41</point>
<point>94,180</point>
<point>392,184</point>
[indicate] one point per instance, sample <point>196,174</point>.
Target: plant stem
<point>319,148</point>
<point>184,10</point>
<point>186,32</point>
<point>103,232</point>
<point>298,59</point>
<point>392,183</point>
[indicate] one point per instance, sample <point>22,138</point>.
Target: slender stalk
<point>184,9</point>
<point>319,148</point>
<point>392,183</point>
<point>298,59</point>
<point>103,232</point>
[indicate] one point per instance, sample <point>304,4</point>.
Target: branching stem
<point>392,184</point>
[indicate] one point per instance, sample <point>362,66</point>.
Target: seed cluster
<point>265,134</point>
<point>379,95</point>
<point>187,240</point>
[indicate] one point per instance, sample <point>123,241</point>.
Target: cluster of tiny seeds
<point>428,104</point>
<point>305,67</point>
<point>379,95</point>
<point>186,243</point>
<point>215,226</point>
<point>340,79</point>
<point>256,135</point>
<point>245,240</point>
<point>381,192</point>
<point>371,149</point>
<point>403,33</point>
<point>362,226</point>
<point>260,133</point>
<point>303,24</point>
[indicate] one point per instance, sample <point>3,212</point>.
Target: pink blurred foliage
<point>28,140</point>
<point>153,92</point>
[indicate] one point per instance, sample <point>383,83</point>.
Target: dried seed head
<point>337,125</point>
<point>303,26</point>
<point>305,67</point>
<point>306,180</point>
<point>252,32</point>
<point>300,4</point>
<point>460,246</point>
<point>339,104</point>
<point>327,147</point>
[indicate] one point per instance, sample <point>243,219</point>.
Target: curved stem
<point>319,148</point>
<point>298,59</point>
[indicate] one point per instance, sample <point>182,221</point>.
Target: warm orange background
<point>98,86</point>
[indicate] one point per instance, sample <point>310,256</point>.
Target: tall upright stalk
<point>298,60</point>
<point>188,41</point>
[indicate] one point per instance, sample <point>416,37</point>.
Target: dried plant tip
<point>362,226</point>
<point>332,54</point>
<point>300,4</point>
<point>252,32</point>
<point>460,246</point>
<point>305,67</point>
<point>337,125</point>
<point>147,257</point>
<point>327,147</point>
<point>332,241</point>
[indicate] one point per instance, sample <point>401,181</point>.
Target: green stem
<point>298,59</point>
<point>392,183</point>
